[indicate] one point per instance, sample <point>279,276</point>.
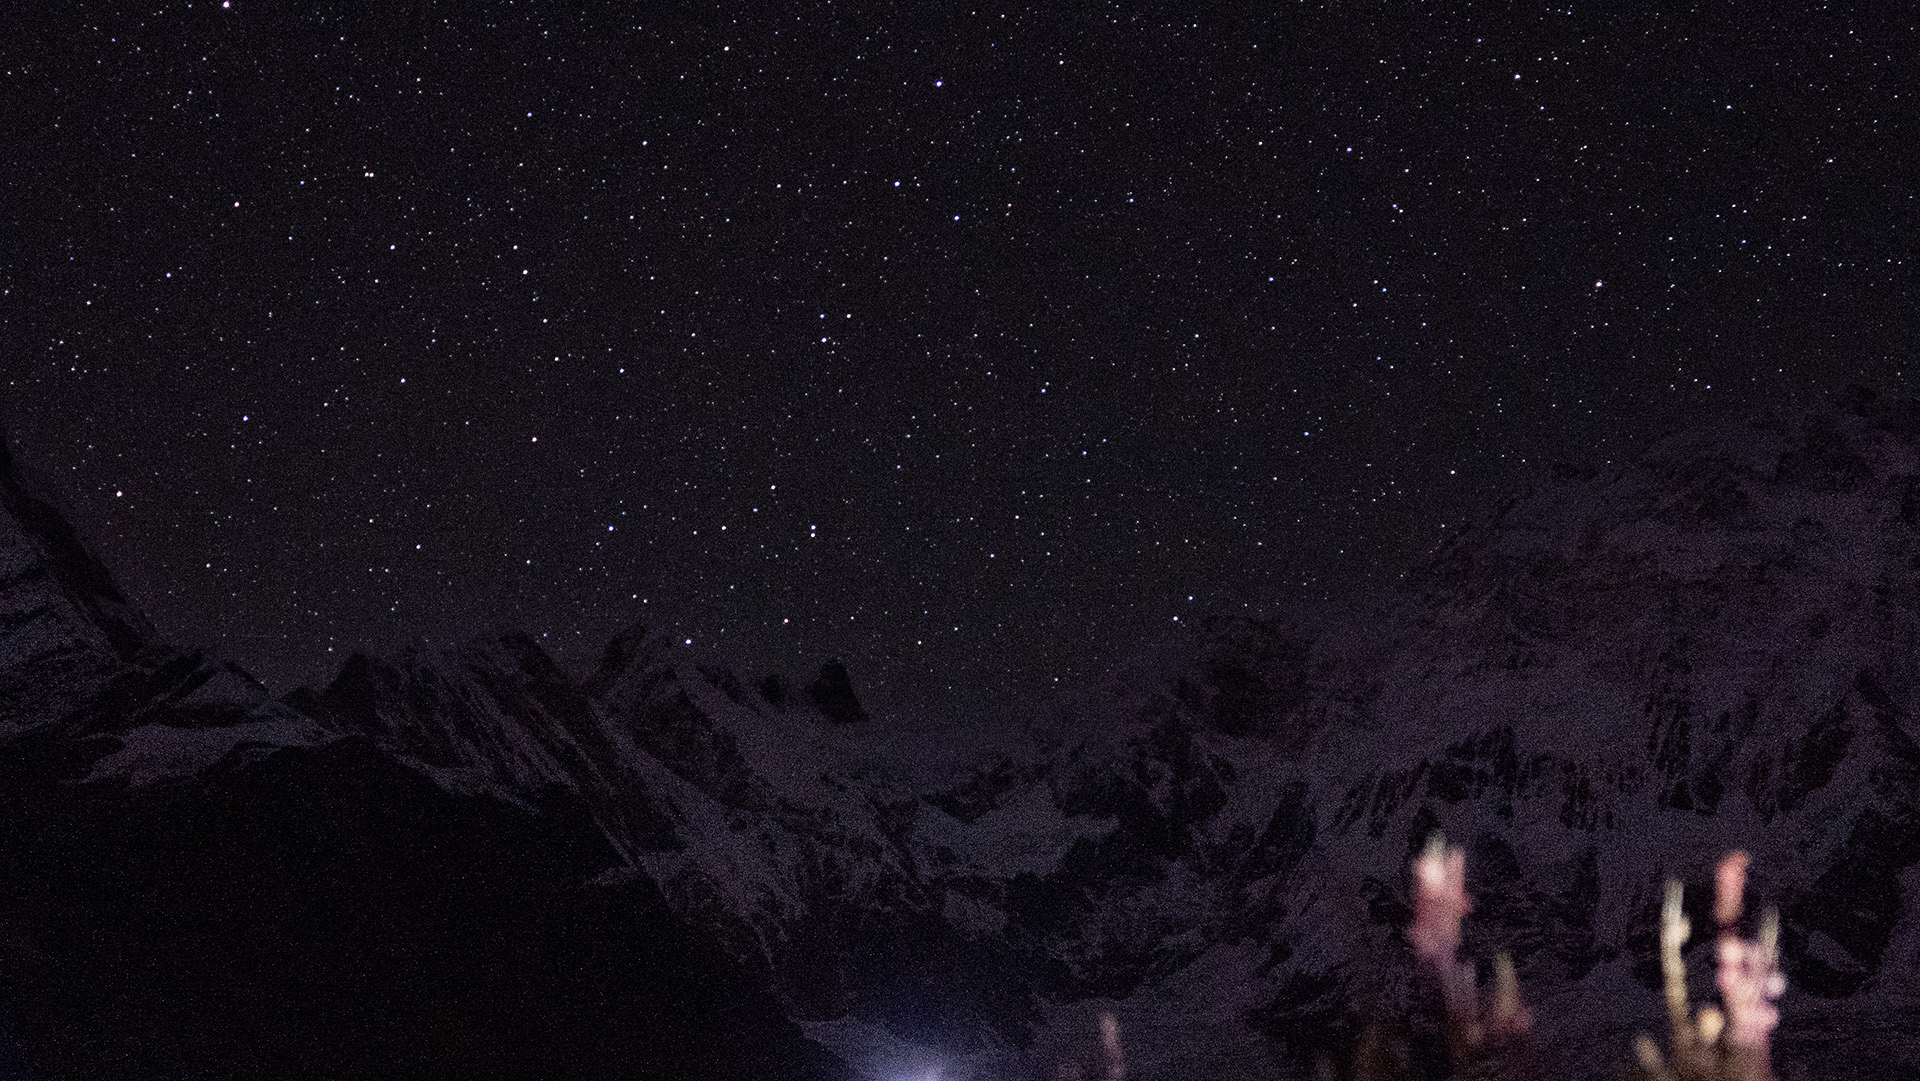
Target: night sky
<point>976,346</point>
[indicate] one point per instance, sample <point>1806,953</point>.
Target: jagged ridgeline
<point>464,859</point>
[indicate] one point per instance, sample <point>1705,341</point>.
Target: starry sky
<point>976,345</point>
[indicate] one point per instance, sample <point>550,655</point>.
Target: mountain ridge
<point>1609,680</point>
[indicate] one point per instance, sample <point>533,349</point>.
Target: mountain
<point>199,881</point>
<point>464,856</point>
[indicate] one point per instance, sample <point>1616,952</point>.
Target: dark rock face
<point>831,693</point>
<point>1610,681</point>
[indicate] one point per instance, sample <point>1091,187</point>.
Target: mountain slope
<point>198,881</point>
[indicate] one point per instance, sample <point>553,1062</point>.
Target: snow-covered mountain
<point>199,881</point>
<point>1609,681</point>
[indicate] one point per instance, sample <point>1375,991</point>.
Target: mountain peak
<point>64,623</point>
